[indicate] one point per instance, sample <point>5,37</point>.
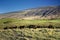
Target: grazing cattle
<point>5,28</point>
<point>57,27</point>
<point>15,27</point>
<point>31,26</point>
<point>21,27</point>
<point>10,27</point>
<point>35,27</point>
<point>50,26</point>
<point>40,27</point>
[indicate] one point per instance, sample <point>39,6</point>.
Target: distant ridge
<point>48,12</point>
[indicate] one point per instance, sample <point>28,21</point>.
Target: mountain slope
<point>49,12</point>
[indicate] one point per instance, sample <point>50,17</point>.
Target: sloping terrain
<point>49,12</point>
<point>13,25</point>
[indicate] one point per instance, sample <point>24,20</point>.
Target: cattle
<point>50,26</point>
<point>32,26</point>
<point>5,28</point>
<point>21,27</point>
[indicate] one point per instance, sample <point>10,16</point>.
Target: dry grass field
<point>30,34</point>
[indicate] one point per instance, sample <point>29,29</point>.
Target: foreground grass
<point>30,34</point>
<point>9,22</point>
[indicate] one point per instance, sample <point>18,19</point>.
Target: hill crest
<point>48,12</point>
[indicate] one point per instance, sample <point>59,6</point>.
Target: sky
<point>16,5</point>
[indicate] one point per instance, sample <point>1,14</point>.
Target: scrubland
<point>20,29</point>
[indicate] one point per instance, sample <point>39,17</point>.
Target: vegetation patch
<point>9,23</point>
<point>30,34</point>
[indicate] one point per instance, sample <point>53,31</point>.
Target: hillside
<point>12,28</point>
<point>49,12</point>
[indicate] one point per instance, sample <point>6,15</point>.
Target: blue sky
<point>15,5</point>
